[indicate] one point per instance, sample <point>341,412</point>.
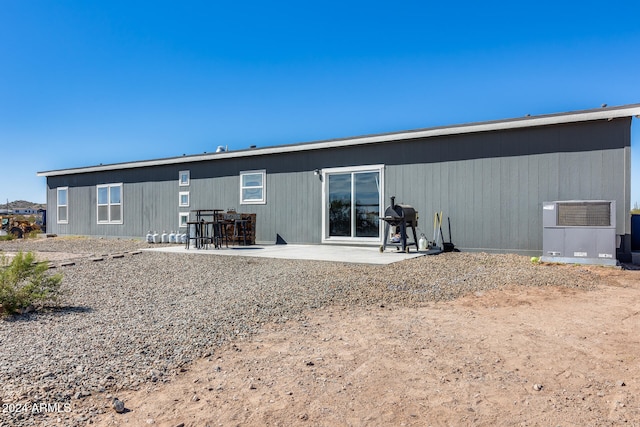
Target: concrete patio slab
<point>336,253</point>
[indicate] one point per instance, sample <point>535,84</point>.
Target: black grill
<point>401,217</point>
<point>398,213</point>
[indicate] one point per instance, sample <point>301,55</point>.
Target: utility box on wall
<point>579,231</point>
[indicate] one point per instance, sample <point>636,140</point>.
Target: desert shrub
<point>26,283</point>
<point>6,237</point>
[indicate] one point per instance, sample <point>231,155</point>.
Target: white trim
<point>58,205</point>
<point>524,122</point>
<point>346,169</point>
<point>325,220</point>
<point>261,201</point>
<point>109,221</point>
<point>183,205</point>
<point>184,172</point>
<point>180,216</point>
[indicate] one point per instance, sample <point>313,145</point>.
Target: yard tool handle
<point>435,226</point>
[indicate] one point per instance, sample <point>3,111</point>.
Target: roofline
<point>605,113</point>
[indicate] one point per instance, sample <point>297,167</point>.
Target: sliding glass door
<point>353,203</point>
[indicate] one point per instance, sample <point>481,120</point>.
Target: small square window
<point>183,219</point>
<point>183,200</point>
<point>183,178</point>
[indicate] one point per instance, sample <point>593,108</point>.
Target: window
<point>252,187</point>
<point>183,178</point>
<point>110,204</point>
<point>352,200</point>
<point>183,201</point>
<point>183,219</point>
<point>63,205</point>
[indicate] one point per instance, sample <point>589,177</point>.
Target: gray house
<point>489,178</point>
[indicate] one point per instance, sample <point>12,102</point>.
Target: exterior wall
<point>153,205</point>
<point>490,184</point>
<point>497,203</point>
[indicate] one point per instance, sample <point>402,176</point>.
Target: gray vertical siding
<point>490,184</point>
<point>497,203</point>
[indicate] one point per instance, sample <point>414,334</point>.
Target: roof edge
<point>605,113</point>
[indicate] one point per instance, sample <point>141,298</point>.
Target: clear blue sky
<point>88,82</point>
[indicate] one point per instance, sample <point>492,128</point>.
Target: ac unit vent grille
<point>584,214</point>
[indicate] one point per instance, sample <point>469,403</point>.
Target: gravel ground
<point>126,321</point>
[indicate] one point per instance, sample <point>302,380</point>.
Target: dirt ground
<point>524,356</point>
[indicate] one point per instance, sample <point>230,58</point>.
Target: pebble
<point>134,320</point>
<point>118,405</point>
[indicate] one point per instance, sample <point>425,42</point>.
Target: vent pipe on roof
<point>221,149</point>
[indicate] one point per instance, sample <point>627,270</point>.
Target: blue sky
<point>88,82</point>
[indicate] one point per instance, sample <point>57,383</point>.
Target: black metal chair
<point>240,226</point>
<point>192,227</point>
<point>218,233</point>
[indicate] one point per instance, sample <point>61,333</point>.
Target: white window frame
<point>325,204</point>
<point>183,218</point>
<point>109,204</point>
<point>180,204</point>
<point>59,205</point>
<point>263,187</point>
<point>184,183</point>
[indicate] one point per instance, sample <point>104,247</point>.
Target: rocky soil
<point>130,319</point>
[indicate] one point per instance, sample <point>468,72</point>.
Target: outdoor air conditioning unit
<point>579,231</point>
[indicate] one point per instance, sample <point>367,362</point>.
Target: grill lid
<point>400,211</point>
